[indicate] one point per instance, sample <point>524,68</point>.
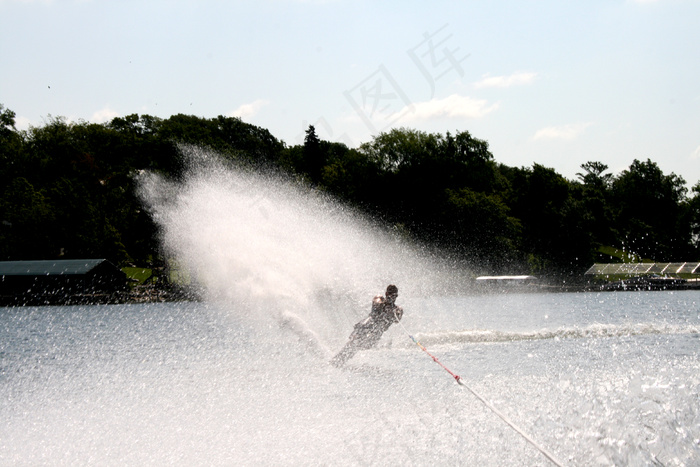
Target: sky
<point>553,82</point>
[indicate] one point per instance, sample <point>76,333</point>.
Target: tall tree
<point>693,216</point>
<point>554,233</point>
<point>419,167</point>
<point>10,146</point>
<point>481,224</point>
<point>649,212</point>
<point>595,178</point>
<point>313,157</point>
<point>25,214</point>
<point>595,197</point>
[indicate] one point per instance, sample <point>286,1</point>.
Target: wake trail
<point>589,332</point>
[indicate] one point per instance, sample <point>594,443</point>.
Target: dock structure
<point>647,276</point>
<point>52,280</point>
<point>614,269</point>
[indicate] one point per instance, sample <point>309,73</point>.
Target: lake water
<point>242,378</point>
<point>594,378</point>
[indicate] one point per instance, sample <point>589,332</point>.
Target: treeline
<point>68,190</point>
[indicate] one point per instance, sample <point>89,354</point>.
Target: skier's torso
<point>383,315</point>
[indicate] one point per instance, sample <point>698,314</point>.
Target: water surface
<point>596,379</point>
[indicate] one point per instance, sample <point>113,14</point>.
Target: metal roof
<point>645,268</point>
<point>49,267</point>
<point>505,278</point>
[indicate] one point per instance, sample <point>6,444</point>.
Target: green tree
<point>247,141</point>
<point>594,177</point>
<point>693,218</point>
<point>349,175</point>
<point>481,223</point>
<point>418,167</point>
<point>24,214</point>
<point>7,122</point>
<point>649,212</point>
<point>70,186</point>
<point>10,146</point>
<point>313,157</point>
<point>553,220</point>
<point>595,197</point>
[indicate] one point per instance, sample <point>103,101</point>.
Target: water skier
<point>368,331</point>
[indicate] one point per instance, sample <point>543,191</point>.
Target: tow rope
<point>435,359</point>
<point>484,401</point>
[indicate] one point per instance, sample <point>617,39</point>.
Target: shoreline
<point>138,294</point>
<point>152,294</point>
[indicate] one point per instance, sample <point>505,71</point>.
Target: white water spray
<point>275,247</point>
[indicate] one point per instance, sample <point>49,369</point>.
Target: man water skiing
<point>368,331</point>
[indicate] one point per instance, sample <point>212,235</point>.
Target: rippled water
<point>595,379</point>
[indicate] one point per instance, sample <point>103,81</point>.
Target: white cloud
<point>515,79</point>
<point>22,123</point>
<point>696,153</point>
<point>104,115</point>
<point>454,106</point>
<point>248,110</point>
<point>564,132</point>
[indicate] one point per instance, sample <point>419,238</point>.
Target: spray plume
<point>260,240</point>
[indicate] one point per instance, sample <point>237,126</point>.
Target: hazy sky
<point>555,82</point>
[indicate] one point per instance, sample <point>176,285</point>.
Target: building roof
<point>644,268</point>
<point>49,267</point>
<point>505,278</point>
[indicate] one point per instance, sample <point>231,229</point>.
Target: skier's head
<point>391,293</point>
